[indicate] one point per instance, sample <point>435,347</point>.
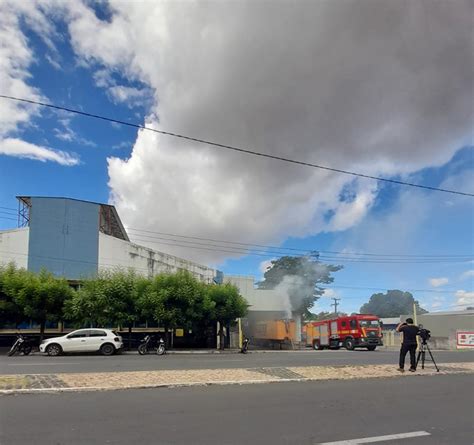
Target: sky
<point>380,88</point>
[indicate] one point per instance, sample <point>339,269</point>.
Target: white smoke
<point>290,286</point>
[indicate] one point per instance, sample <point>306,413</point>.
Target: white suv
<point>84,340</point>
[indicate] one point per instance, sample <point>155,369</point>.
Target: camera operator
<point>409,344</point>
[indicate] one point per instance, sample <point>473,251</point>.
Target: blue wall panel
<point>64,237</point>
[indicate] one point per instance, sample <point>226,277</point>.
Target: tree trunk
<point>42,327</point>
<point>221,335</point>
<point>166,338</point>
<point>130,338</point>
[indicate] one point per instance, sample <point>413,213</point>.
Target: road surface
<point>40,364</point>
<point>437,410</point>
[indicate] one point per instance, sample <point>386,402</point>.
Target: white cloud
<point>131,96</point>
<point>22,149</point>
<point>397,228</point>
<point>464,299</point>
<point>15,60</point>
<point>264,265</point>
<point>331,83</point>
<point>468,274</point>
<point>342,89</point>
<point>437,302</point>
<point>330,293</point>
<point>437,282</point>
<point>67,134</point>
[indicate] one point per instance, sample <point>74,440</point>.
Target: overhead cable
<point>234,148</point>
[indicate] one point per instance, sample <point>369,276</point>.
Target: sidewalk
<point>40,383</point>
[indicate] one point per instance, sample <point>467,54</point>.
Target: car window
<point>353,324</point>
<point>97,333</point>
<point>78,334</point>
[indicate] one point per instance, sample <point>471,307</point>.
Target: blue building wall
<point>64,237</point>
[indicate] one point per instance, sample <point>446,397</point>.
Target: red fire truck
<point>352,331</point>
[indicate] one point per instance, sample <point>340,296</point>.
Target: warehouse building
<point>75,239</point>
<point>449,329</point>
<point>265,305</point>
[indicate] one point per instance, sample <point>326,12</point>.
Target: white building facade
<point>75,239</point>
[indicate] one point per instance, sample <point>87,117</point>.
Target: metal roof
<point>109,222</point>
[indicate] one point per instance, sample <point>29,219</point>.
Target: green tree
<point>41,296</point>
<point>11,280</point>
<point>226,305</point>
<point>391,304</point>
<point>301,278</point>
<point>175,300</point>
<point>110,299</point>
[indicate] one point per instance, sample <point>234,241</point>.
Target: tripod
<point>422,353</point>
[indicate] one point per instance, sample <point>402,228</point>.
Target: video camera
<point>424,334</point>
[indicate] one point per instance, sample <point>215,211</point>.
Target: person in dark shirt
<point>409,344</point>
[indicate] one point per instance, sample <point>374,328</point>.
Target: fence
<point>392,338</point>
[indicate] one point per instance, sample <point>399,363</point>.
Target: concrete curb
<point>81,389</point>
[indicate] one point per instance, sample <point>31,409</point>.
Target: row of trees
<point>393,303</point>
<point>118,298</point>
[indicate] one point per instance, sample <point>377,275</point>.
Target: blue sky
<point>78,57</point>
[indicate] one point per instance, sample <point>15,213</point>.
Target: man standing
<point>409,344</point>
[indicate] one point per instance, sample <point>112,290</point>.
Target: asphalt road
<point>40,364</point>
<point>282,413</point>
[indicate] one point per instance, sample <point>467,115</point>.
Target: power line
<point>305,251</point>
<point>176,243</point>
<point>278,254</point>
<point>234,148</point>
<point>436,291</point>
<point>254,252</point>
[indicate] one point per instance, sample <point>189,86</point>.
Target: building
<point>264,304</point>
<point>75,239</point>
<point>444,326</point>
<point>389,324</point>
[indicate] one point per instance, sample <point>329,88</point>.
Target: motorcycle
<point>22,344</point>
<point>245,346</point>
<point>148,344</point>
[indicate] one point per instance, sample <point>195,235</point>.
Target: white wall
<point>14,247</point>
<point>114,252</point>
<point>259,299</point>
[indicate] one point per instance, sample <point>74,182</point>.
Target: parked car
<point>84,340</point>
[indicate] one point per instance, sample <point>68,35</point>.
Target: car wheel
<point>54,350</point>
<point>371,348</point>
<point>107,349</point>
<point>349,344</point>
<point>317,346</point>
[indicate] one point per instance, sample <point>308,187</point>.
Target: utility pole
<point>335,304</point>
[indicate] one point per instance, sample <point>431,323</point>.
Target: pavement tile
<point>121,380</point>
